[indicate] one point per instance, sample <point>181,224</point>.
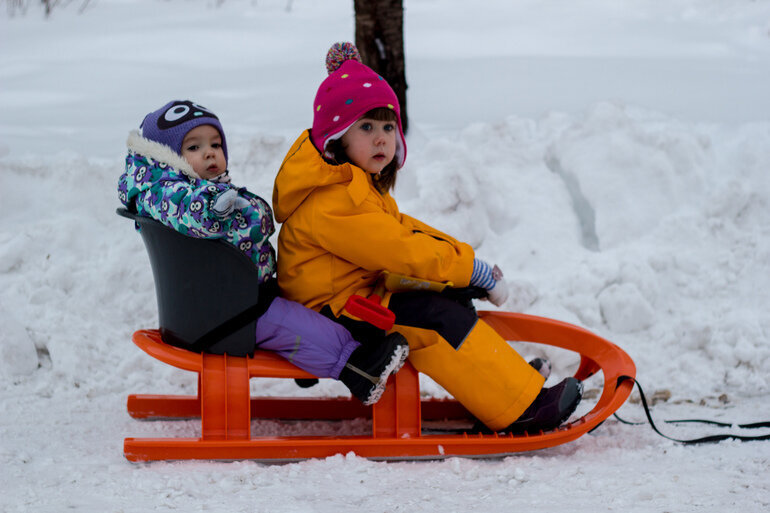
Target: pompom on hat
<point>351,90</point>
<point>170,124</point>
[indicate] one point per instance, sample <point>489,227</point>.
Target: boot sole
<point>394,365</point>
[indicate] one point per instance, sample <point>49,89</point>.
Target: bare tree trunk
<point>380,40</point>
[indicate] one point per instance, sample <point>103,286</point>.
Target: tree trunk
<point>380,40</point>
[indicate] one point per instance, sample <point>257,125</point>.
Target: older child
<point>176,172</point>
<point>341,229</point>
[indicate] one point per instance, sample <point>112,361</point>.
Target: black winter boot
<point>367,370</point>
<point>551,407</point>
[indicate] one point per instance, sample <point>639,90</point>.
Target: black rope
<point>705,439</point>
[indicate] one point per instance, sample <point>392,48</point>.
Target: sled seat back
<point>200,285</point>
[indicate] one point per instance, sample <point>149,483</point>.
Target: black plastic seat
<point>207,290</point>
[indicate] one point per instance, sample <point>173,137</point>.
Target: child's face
<point>202,148</point>
<point>370,144</point>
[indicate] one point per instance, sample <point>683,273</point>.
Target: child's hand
<point>491,279</point>
<point>227,202</point>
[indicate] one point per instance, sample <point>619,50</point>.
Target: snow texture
<point>611,157</point>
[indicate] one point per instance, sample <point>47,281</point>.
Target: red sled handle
<point>370,310</point>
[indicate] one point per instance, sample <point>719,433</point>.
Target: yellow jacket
<point>339,233</point>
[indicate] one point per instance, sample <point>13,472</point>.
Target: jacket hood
<point>304,170</point>
<point>159,152</point>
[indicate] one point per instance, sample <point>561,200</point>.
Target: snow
<point>611,157</point>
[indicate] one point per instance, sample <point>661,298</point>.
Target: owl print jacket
<point>159,183</point>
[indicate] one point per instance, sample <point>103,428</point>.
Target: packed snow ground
<point>611,157</point>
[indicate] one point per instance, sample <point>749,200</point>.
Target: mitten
<point>498,294</point>
<point>227,202</point>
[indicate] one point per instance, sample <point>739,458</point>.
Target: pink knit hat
<point>350,91</point>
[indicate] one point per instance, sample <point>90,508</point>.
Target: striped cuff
<point>482,275</point>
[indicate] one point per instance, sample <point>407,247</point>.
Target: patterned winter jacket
<point>160,184</point>
<point>339,233</point>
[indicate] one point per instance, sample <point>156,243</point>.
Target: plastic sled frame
<point>226,409</point>
<point>189,307</point>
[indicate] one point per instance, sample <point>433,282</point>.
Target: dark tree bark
<point>380,40</point>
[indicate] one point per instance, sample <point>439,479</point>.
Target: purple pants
<point>306,338</point>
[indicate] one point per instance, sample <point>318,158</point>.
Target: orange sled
<point>226,408</point>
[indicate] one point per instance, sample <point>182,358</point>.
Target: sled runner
<point>226,408</point>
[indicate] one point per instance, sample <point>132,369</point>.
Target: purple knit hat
<point>350,91</point>
<point>170,124</point>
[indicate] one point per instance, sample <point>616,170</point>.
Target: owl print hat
<point>170,124</point>
<point>350,91</point>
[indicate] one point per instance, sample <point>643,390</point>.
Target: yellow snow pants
<point>468,358</point>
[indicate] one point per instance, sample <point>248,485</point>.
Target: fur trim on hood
<point>160,152</point>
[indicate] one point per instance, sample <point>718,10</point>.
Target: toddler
<point>176,172</point>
